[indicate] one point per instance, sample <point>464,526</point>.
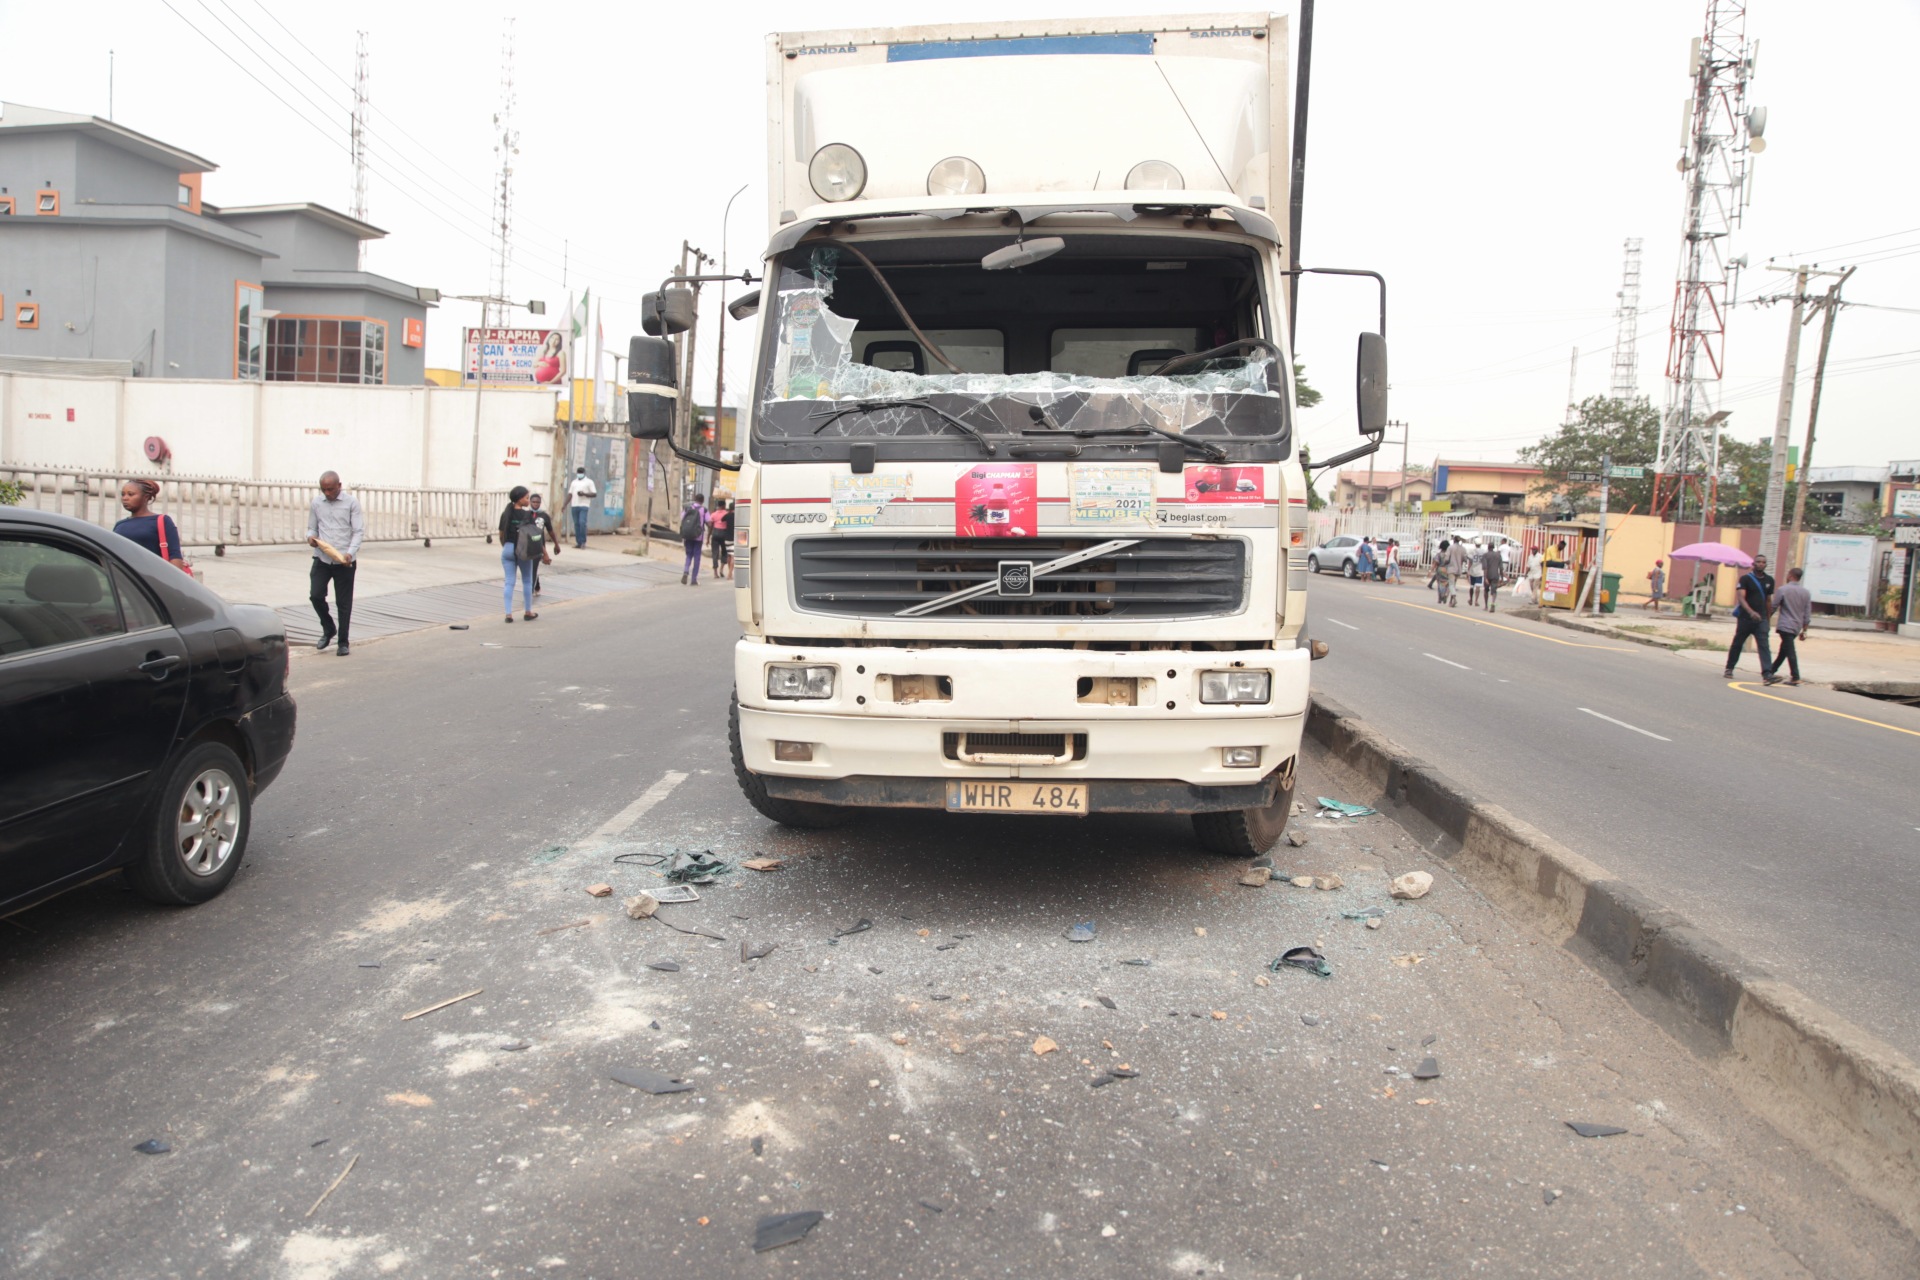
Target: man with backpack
<point>693,537</point>
<point>1753,605</point>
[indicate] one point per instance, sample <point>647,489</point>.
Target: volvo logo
<point>799,517</point>
<point>1016,577</point>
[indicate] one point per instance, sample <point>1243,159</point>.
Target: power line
<point>1845,244</point>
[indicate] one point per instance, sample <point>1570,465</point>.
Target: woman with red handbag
<point>157,533</point>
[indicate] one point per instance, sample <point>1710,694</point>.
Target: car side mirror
<point>747,304</point>
<point>653,393</point>
<point>1371,384</point>
<point>666,312</point>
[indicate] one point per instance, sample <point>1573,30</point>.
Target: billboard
<point>515,357</point>
<point>1839,568</point>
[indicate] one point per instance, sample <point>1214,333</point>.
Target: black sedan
<point>142,715</point>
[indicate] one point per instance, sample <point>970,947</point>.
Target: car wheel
<point>1313,564</point>
<point>1347,569</point>
<point>788,813</point>
<point>1248,833</point>
<point>200,829</point>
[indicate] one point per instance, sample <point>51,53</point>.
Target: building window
<point>249,332</point>
<point>1833,502</point>
<point>27,316</point>
<point>46,202</point>
<point>326,349</point>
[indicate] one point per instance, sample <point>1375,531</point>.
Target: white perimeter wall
<point>403,437</point>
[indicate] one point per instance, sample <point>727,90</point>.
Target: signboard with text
<point>1906,502</point>
<point>1839,568</point>
<point>514,357</point>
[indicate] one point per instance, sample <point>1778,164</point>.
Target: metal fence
<point>212,512</point>
<point>1419,535</point>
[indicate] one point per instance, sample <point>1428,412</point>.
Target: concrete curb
<point>1843,1093</point>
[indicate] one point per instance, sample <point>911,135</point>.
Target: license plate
<point>1068,799</point>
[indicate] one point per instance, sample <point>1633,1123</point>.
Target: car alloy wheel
<point>207,830</point>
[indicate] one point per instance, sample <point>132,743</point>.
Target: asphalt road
<point>1786,821</point>
<point>449,803</point>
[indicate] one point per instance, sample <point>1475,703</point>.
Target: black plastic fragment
<point>1427,1040</point>
<point>515,1046</point>
<point>369,964</point>
<point>871,969</point>
<point>1138,961</point>
<point>458,626</point>
<point>648,1081</point>
<point>759,1144</point>
<point>946,946</point>
<point>323,1142</point>
<point>859,926</point>
<point>1429,1069</point>
<point>1122,1073</point>
<point>784,1228</point>
<point>1102,1081</point>
<point>153,1147</point>
<point>934,1205</point>
<point>1588,1129</point>
<point>943,997</point>
<point>655,1025</point>
<point>640,859</point>
<point>1107,1001</point>
<point>664,966</point>
<point>1303,958</point>
<point>757,951</point>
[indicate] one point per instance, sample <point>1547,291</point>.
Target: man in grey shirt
<point>1456,563</point>
<point>1792,615</point>
<point>335,520</point>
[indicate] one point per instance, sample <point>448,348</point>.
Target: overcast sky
<point>1489,158</point>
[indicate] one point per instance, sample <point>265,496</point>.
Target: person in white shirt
<point>580,495</point>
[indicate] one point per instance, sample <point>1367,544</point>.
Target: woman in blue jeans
<point>517,514</point>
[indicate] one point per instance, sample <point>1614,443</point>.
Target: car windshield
<point>1078,337</point>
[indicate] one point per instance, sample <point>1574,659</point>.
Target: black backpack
<point>530,542</point>
<point>693,524</point>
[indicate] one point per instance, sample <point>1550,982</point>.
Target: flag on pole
<point>577,324</point>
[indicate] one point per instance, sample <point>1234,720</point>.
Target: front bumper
<point>862,733</point>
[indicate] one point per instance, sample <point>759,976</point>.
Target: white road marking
<point>616,825</point>
<point>1623,724</point>
<point>1348,625</point>
<point>1450,662</point>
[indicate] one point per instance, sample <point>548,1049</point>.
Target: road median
<point>1843,1093</point>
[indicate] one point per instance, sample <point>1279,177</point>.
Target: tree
<point>1627,430</point>
<point>1303,394</point>
<point>1314,500</point>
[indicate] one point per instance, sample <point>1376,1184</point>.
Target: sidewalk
<point>1873,662</point>
<point>404,586</point>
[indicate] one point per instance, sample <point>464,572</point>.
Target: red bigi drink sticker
<point>997,501</point>
<point>1226,484</point>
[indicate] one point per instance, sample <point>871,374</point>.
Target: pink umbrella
<point>1718,552</point>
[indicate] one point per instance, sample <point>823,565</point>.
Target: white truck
<point>1020,522</point>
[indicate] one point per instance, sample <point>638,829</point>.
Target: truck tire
<point>1248,833</point>
<point>788,813</point>
<point>197,833</point>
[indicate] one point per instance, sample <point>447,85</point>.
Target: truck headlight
<point>837,172</point>
<point>792,680</point>
<point>1236,687</point>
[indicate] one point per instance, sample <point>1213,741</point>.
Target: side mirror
<point>668,311</point>
<point>652,389</point>
<point>1370,390</point>
<point>747,304</point>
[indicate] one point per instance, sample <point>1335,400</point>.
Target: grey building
<point>1850,495</point>
<point>112,262</point>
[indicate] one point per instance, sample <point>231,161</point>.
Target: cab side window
<point>52,595</point>
<point>135,605</point>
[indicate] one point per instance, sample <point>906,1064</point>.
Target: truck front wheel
<point>1248,833</point>
<point>788,813</point>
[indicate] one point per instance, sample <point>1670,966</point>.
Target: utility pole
<point>1829,304</point>
<point>1783,422</point>
<point>1600,553</point>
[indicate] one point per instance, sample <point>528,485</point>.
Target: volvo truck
<point>1021,518</point>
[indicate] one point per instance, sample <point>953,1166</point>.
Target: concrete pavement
<point>1781,821</point>
<point>448,805</point>
<point>1829,655</point>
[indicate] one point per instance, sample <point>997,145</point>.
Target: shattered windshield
<point>1079,338</point>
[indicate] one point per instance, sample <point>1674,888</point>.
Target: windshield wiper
<point>1205,448</point>
<point>869,406</point>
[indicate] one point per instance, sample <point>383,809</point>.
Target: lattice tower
<point>506,145</point>
<point>1626,357</point>
<point>360,137</point>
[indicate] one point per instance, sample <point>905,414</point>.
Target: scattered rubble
<point>1414,884</point>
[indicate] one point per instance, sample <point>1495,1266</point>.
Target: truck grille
<point>876,577</point>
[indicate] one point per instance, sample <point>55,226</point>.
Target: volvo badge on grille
<point>1016,577</point>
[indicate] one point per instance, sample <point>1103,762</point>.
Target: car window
<point>52,595</point>
<point>135,605</point>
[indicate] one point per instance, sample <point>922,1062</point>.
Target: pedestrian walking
<point>1751,606</point>
<point>1476,572</point>
<point>523,544</point>
<point>552,539</point>
<point>693,532</point>
<point>1492,574</point>
<point>1532,579</point>
<point>1456,563</point>
<point>157,533</point>
<point>719,530</point>
<point>581,491</point>
<point>1792,615</point>
<point>1363,561</point>
<point>1657,586</point>
<point>1437,579</point>
<point>335,528</point>
<point>1393,561</point>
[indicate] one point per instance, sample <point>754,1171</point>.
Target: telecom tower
<point>1626,356</point>
<point>1722,134</point>
<point>506,146</point>
<point>360,137</point>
